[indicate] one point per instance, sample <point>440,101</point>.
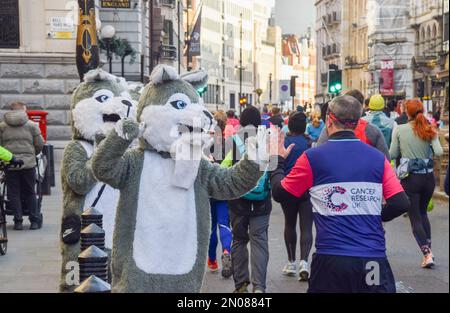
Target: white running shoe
<point>290,269</point>
<point>304,272</point>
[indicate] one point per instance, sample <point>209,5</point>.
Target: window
<point>9,24</point>
<point>168,32</point>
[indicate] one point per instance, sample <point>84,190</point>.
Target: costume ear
<point>163,73</point>
<point>197,79</point>
<point>98,75</point>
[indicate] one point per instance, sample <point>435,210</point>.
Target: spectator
<point>277,118</point>
<point>23,138</point>
<point>347,196</point>
<point>376,117</point>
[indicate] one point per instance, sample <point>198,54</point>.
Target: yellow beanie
<point>376,103</point>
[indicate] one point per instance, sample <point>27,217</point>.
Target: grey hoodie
<point>22,137</point>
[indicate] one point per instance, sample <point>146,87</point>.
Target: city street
<point>32,263</point>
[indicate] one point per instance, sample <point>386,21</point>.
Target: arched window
<point>434,40</point>
<point>428,40</point>
<point>422,40</point>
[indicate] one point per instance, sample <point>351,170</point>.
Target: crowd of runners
<point>346,166</point>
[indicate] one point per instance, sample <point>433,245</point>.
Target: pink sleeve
<point>300,179</point>
<point>391,184</point>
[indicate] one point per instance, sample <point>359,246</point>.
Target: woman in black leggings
<point>301,208</point>
<point>415,144</point>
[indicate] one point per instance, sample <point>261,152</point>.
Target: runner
<point>415,143</point>
<point>300,208</point>
<point>364,131</point>
<point>219,211</point>
<point>346,193</point>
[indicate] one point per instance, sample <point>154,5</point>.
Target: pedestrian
<point>250,217</point>
<point>276,118</point>
<point>300,208</point>
<point>415,143</point>
<point>376,117</point>
<point>347,194</point>
<point>23,138</point>
<point>315,127</point>
<point>219,210</point>
<point>364,131</point>
<point>390,110</point>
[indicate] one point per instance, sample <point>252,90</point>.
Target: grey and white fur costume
<point>163,217</point>
<point>97,104</point>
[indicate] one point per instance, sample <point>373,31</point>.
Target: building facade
<point>390,39</point>
<point>37,50</point>
<point>227,28</point>
<point>430,62</point>
<point>355,50</point>
<point>329,37</point>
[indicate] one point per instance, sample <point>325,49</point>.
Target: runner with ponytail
<point>415,143</point>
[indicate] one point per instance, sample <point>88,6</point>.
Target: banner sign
<point>194,44</point>
<point>387,84</point>
<point>116,4</point>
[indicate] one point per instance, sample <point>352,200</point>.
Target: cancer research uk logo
<point>328,199</point>
<point>338,199</point>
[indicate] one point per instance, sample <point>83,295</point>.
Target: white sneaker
<point>290,269</point>
<point>304,272</point>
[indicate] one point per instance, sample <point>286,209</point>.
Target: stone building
<point>37,59</point>
<point>329,30</point>
<point>430,62</point>
<point>355,50</point>
<point>37,50</point>
<point>390,38</point>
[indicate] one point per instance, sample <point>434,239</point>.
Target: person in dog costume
<point>163,216</point>
<point>97,104</point>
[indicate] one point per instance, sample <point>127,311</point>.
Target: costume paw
<point>257,148</point>
<point>127,129</point>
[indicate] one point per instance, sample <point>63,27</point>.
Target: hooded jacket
<point>22,137</point>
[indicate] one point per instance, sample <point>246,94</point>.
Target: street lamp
<point>108,32</point>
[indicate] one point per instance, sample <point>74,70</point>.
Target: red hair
<point>422,128</point>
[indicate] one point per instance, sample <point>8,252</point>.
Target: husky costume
<point>97,104</point>
<point>163,217</point>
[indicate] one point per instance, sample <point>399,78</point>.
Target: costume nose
<point>127,103</point>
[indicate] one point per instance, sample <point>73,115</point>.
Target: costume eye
<point>102,98</point>
<point>179,104</point>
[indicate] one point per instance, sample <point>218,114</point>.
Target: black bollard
<point>93,285</point>
<point>93,261</point>
<point>92,235</point>
<point>91,215</point>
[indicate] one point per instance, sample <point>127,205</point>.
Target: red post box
<point>41,118</point>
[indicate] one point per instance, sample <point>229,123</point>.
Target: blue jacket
<point>301,145</point>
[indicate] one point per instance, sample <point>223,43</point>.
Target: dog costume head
<point>171,108</point>
<point>98,103</point>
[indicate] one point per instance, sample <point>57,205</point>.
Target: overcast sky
<point>294,16</point>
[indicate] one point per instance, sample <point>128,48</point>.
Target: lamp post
<point>108,33</point>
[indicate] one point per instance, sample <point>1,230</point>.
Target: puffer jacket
<point>22,137</point>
